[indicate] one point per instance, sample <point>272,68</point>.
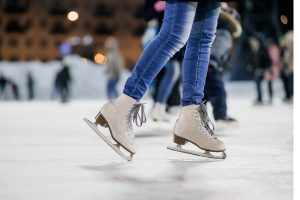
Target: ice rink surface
<point>47,152</point>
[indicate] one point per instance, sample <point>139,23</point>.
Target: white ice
<point>47,152</point>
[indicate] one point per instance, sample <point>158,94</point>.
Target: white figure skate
<point>117,116</point>
<point>159,113</point>
<point>228,122</point>
<point>193,126</point>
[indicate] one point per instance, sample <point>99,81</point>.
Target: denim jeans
<point>215,92</point>
<point>184,22</point>
<point>168,81</point>
<point>111,88</point>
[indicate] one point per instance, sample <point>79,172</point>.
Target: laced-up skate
<point>193,125</point>
<point>159,113</point>
<point>118,116</point>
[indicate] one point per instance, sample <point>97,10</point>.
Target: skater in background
<point>229,27</point>
<point>7,85</point>
<point>115,65</point>
<point>14,89</point>
<point>191,22</point>
<point>287,74</point>
<point>63,83</point>
<point>276,66</point>
<point>164,86</point>
<point>262,63</point>
<point>30,86</point>
<point>3,84</point>
<point>169,75</point>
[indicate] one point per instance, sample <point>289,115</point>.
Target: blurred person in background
<point>30,86</point>
<point>14,89</point>
<point>262,64</point>
<point>229,27</point>
<point>115,65</point>
<point>63,82</point>
<point>287,73</point>
<point>276,66</point>
<point>3,84</point>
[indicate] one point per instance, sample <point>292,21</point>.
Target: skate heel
<point>179,140</point>
<point>101,120</point>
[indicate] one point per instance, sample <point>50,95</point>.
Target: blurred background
<point>37,37</point>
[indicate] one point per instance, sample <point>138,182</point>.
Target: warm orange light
<point>284,19</point>
<point>73,15</point>
<point>100,58</point>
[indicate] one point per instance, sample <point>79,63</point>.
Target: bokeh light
<point>284,19</point>
<point>73,15</point>
<point>100,58</point>
<point>87,40</point>
<point>75,40</point>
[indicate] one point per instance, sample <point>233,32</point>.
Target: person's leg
<point>291,84</point>
<point>216,94</point>
<point>284,79</point>
<point>167,83</point>
<point>197,52</point>
<point>175,31</point>
<point>175,96</point>
<point>108,89</point>
<point>69,91</point>
<point>111,89</point>
<point>258,80</point>
<point>174,100</point>
<point>193,124</point>
<point>270,90</point>
<point>59,92</point>
<point>63,94</point>
<point>115,88</point>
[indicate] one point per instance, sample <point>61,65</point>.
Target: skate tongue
<point>138,117</point>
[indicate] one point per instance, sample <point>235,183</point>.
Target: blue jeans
<point>168,81</point>
<point>184,22</point>
<point>111,88</point>
<point>215,92</point>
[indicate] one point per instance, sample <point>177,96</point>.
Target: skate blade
<point>115,147</point>
<point>206,154</point>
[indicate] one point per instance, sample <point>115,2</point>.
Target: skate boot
<point>118,116</point>
<point>159,113</point>
<point>193,125</point>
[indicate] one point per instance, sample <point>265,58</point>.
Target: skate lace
<point>205,119</point>
<point>137,115</point>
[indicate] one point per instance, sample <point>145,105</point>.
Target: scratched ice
<point>47,152</point>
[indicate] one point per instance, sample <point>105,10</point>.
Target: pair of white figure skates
<point>191,126</point>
